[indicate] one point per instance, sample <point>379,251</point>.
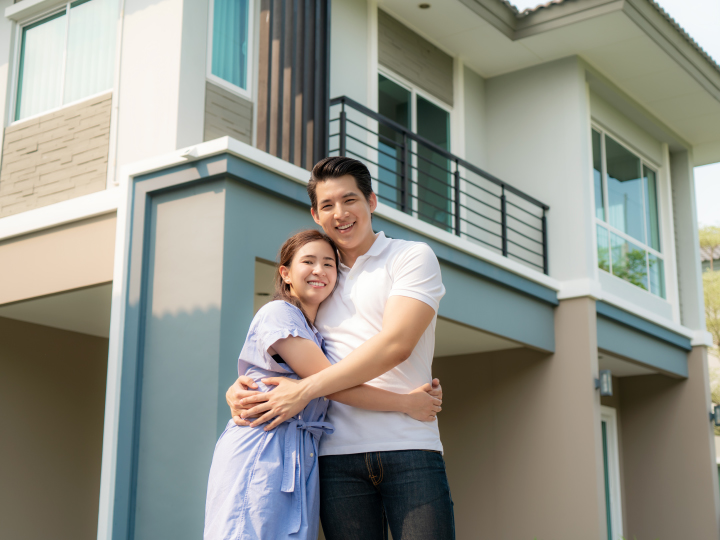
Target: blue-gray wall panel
<point>627,342</point>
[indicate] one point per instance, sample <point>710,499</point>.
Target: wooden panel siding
<point>414,58</point>
<point>293,80</point>
<point>227,114</point>
<point>55,157</point>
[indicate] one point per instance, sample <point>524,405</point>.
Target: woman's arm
<point>305,358</point>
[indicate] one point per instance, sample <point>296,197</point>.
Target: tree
<point>709,239</point>
<point>711,288</point>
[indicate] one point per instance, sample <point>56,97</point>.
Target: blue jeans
<point>408,488</point>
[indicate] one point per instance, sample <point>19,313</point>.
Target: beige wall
<point>227,114</point>
<point>670,475</point>
<point>74,255</point>
<point>52,398</point>
<point>415,58</point>
<point>522,439</point>
<point>56,156</point>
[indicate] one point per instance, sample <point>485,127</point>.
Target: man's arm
<point>404,322</point>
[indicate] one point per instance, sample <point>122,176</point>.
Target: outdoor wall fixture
<point>189,153</point>
<point>424,6</point>
<point>604,383</point>
<point>715,415</point>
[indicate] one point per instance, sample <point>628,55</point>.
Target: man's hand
<point>422,404</point>
<point>284,402</point>
<point>239,390</point>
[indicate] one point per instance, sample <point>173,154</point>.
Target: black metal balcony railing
<point>422,179</point>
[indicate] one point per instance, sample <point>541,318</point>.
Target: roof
<point>673,22</point>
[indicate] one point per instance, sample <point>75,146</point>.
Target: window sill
<point>27,9</point>
<point>636,295</point>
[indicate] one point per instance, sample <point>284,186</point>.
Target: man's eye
<point>326,207</point>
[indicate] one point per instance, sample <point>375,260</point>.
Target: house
<point>155,155</point>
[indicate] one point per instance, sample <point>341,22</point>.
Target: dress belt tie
<point>291,469</point>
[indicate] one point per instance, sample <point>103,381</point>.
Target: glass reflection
<point>597,176</point>
<point>629,261</point>
<point>393,103</point>
<point>651,208</point>
<point>657,275</point>
<point>625,190</point>
<point>603,249</point>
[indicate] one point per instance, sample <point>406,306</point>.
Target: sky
<point>700,19</point>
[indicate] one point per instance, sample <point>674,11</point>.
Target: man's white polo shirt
<point>352,315</point>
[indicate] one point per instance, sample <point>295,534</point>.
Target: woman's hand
<point>423,404</point>
<point>239,390</point>
<point>284,402</point>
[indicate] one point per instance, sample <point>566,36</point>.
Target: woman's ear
<point>284,274</point>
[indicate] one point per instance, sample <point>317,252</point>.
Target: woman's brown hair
<point>285,257</point>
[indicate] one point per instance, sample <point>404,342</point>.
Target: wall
<point>161,100</point>
<point>538,140</point>
<point>349,50</point>
<point>52,394</point>
<point>414,58</point>
<point>522,439</point>
<point>227,114</point>
<point>670,485</point>
<point>56,156</point>
<point>475,118</point>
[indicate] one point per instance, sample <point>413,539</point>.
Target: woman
<point>264,484</point>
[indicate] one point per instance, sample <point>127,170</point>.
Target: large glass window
<point>230,51</point>
<point>430,180</point>
<point>627,217</point>
<point>66,56</point>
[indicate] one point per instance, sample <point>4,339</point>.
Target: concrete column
<point>670,475</point>
<point>686,245</point>
<point>522,436</point>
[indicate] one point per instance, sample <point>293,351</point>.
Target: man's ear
<point>314,215</point>
<point>372,201</point>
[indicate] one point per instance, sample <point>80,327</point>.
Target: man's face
<point>343,212</point>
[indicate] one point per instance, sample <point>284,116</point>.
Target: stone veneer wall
<point>227,114</point>
<point>56,156</point>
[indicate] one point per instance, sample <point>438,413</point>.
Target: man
<point>379,327</point>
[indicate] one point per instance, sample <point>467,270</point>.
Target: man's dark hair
<point>335,167</point>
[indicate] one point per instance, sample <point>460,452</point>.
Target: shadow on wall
<point>183,403</point>
<point>52,397</point>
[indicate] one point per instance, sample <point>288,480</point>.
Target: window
<point>626,215</point>
<point>230,38</point>
<point>611,472</point>
<point>66,56</point>
<point>430,171</point>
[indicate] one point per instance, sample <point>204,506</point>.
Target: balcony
<point>426,181</point>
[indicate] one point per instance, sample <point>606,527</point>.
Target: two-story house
<point>155,155</point>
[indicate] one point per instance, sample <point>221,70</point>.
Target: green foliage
<point>632,268</point>
<point>711,289</point>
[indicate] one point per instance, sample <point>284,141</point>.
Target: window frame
<point>218,81</point>
<point>17,54</point>
<point>609,416</point>
<point>644,163</point>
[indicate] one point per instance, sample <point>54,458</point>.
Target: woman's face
<point>312,272</point>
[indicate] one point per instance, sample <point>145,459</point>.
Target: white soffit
<point>622,368</point>
<point>452,339</point>
<point>84,310</point>
<point>612,43</point>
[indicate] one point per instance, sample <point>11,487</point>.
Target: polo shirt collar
<point>379,245</point>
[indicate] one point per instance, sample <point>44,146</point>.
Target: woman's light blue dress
<point>264,484</point>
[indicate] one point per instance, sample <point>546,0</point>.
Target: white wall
<point>538,140</point>
<point>475,120</point>
<point>162,77</point>
<point>350,50</point>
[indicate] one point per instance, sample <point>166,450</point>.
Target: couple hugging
<point>350,307</point>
